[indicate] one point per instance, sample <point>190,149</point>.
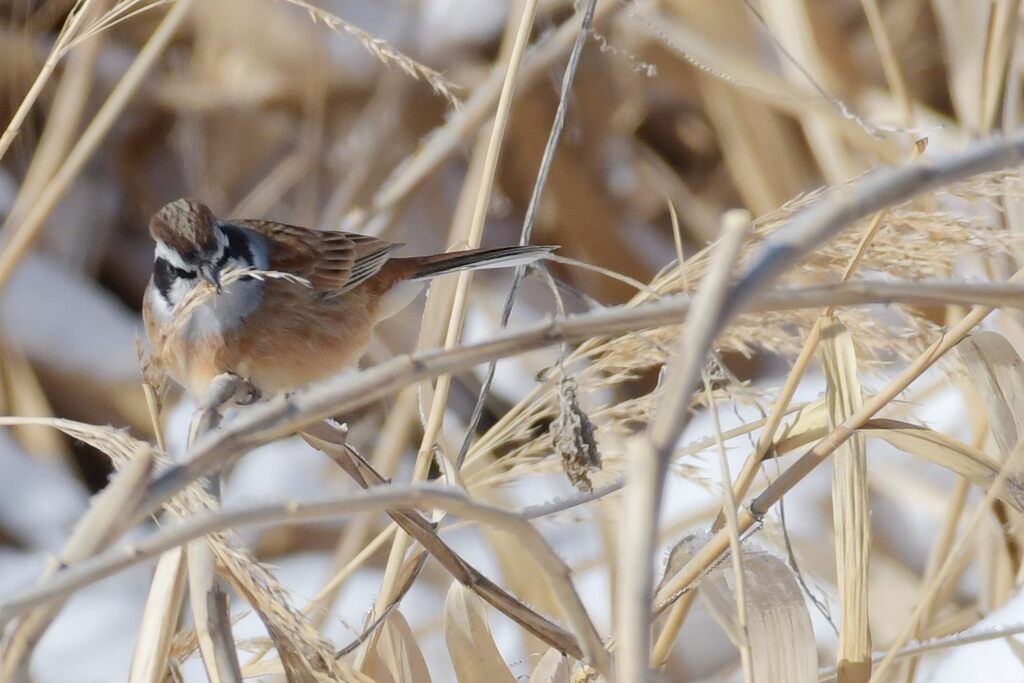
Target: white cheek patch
<point>163,309</point>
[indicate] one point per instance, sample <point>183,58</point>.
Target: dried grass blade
<point>382,50</point>
<point>513,48</point>
<point>850,503</point>
<point>553,667</point>
<point>397,657</point>
<point>474,655</point>
<point>970,463</point>
<point>779,630</point>
<point>18,238</point>
<point>211,616</point>
<point>422,531</point>
<point>159,619</point>
<point>998,372</point>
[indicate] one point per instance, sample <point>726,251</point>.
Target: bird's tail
<point>477,259</point>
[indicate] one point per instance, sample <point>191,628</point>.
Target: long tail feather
<point>477,259</point>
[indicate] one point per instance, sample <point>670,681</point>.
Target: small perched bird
<point>310,316</point>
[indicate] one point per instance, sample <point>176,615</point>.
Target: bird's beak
<point>210,273</point>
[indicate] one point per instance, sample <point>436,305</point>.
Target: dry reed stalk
<point>851,509</point>
<point>159,619</point>
<point>460,298</point>
<point>381,498</point>
<point>63,120</point>
<point>477,109</point>
<point>890,62</point>
<point>742,637</point>
<point>71,26</point>
<point>1011,464</point>
<point>816,455</point>
<point>19,237</point>
<point>649,458</point>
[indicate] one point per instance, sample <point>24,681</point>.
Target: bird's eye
<point>165,274</point>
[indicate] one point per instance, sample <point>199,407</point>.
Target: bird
<point>279,306</point>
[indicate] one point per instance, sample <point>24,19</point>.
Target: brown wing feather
<point>333,261</point>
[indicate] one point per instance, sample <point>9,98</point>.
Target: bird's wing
<point>334,262</point>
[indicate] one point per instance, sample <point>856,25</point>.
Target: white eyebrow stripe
<point>171,256</point>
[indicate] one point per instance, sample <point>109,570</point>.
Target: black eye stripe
<point>165,273</point>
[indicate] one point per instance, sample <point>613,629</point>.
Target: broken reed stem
<point>18,238</point>
<point>850,503</point>
<point>166,594</point>
<point>460,302</point>
<point>649,454</point>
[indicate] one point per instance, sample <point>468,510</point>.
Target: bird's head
<point>189,241</point>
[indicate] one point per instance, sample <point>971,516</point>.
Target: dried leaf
<point>851,505</point>
<point>779,631</point>
<point>998,372</point>
<point>972,464</point>
<point>159,619</point>
<point>474,655</point>
<point>572,434</point>
<point>396,658</point>
<point>553,667</point>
